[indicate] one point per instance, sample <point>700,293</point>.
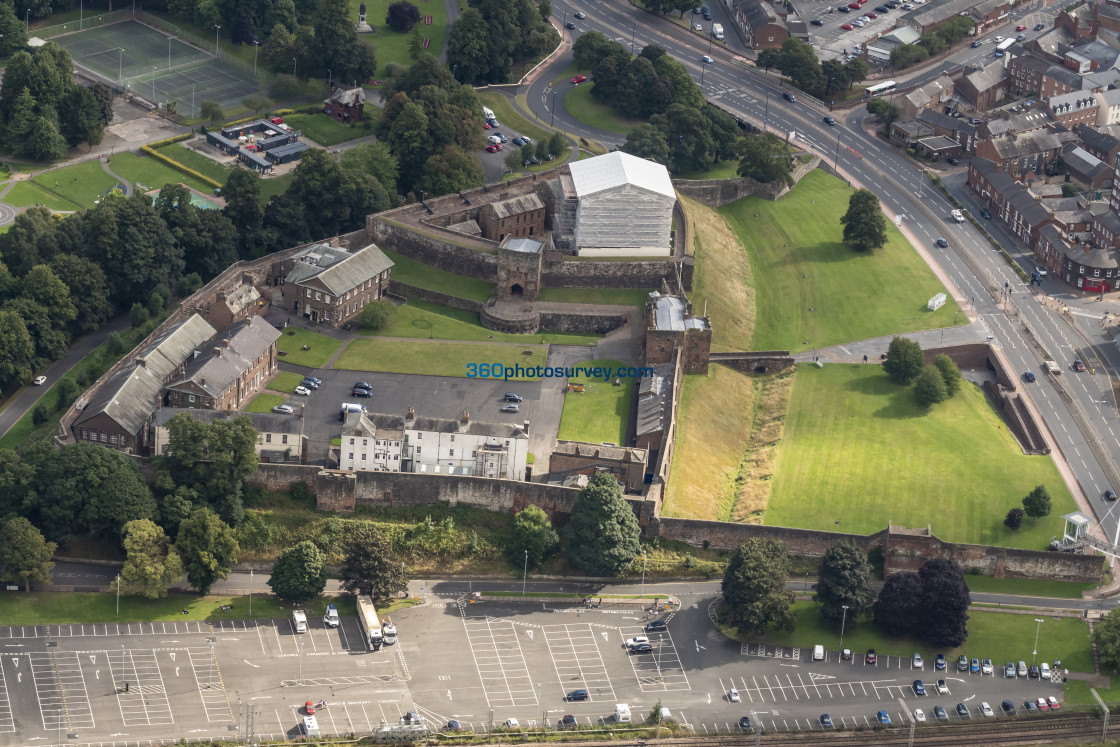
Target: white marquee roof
<point>617,169</point>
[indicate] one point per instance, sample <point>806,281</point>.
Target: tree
<point>558,144</point>
<point>844,578</point>
<point>468,47</point>
<point>88,291</point>
<point>602,534</point>
<point>300,573</point>
<point>369,565</point>
<point>950,373</point>
<point>207,547</point>
<point>211,111</point>
<point>929,388</point>
<point>151,563</point>
<point>766,158</point>
<point>256,102</point>
<point>1014,519</point>
<point>754,586</point>
<point>13,34</point>
<point>80,117</point>
<point>335,45</point>
<point>897,609</point>
<point>377,314</point>
<point>1106,637</point>
<point>104,95</point>
<point>532,534</point>
<point>768,58</point>
<point>24,555</point>
<point>451,170</point>
<point>944,604</point>
<point>1037,502</point>
<point>864,225</point>
<point>242,192</point>
<point>904,360</point>
<point>138,314</point>
<point>402,16</point>
<point>16,349</point>
<point>905,55</point>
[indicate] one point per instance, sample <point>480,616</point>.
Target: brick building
<point>626,463</point>
<point>517,217</point>
<point>330,284</point>
<point>225,373</point>
<point>1074,108</point>
<point>279,436</point>
<point>235,303</point>
<point>670,323</point>
<point>760,23</point>
<point>1024,75</point>
<point>346,104</point>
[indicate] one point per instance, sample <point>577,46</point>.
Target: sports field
<point>159,67</point>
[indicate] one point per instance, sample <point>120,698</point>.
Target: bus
<point>879,89</point>
<point>1005,45</point>
<point>371,626</point>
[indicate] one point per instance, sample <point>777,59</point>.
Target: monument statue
<point>362,26</point>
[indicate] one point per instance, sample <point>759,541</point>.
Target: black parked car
<point>817,22</point>
<point>985,214</point>
<point>952,161</point>
<point>656,625</point>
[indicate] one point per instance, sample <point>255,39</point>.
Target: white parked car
<point>631,642</point>
<point>919,715</point>
<point>512,723</point>
<point>1044,670</point>
<point>302,390</point>
<point>733,695</point>
<point>40,380</point>
<point>697,27</point>
<point>985,710</point>
<point>284,409</point>
<point>998,39</point>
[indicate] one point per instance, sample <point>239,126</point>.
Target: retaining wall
<point>431,296</point>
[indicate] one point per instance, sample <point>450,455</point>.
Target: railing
<point>88,22</point>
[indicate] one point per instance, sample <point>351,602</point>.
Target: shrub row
<point>179,166</point>
<point>170,140</point>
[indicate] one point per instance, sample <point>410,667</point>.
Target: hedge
<point>180,166</point>
<point>282,112</point>
<point>170,140</point>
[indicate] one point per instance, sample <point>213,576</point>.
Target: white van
<point>299,621</point>
<point>818,652</point>
<point>487,113</point>
<point>310,727</point>
<point>331,618</point>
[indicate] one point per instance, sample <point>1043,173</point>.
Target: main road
<point>980,279</point>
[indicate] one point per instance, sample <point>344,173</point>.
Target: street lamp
<point>329,76</point>
<point>217,52</point>
<point>643,573</point>
<point>169,53</point>
<point>843,619</point>
<point>27,19</point>
<point>293,67</point>
<point>1036,629</point>
<point>525,573</point>
<point>118,595</point>
<point>256,48</point>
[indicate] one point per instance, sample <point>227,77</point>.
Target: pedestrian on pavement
<point>865,359</point>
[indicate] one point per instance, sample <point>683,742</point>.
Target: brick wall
<point>431,296</point>
<point>615,274</point>
<point>432,250</point>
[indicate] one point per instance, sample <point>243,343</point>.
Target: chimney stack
<point>525,427</point>
<point>464,421</point>
<point>217,352</point>
<point>225,342</point>
<point>410,417</point>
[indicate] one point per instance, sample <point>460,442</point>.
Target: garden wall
<point>433,250</point>
<point>431,296</point>
<point>718,192</point>
<point>614,274</point>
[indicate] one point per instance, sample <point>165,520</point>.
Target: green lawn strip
<point>999,636</point>
<point>1030,587</point>
<point>799,263</point>
<point>617,296</point>
<point>323,129</point>
<point>321,347</point>
<point>436,358</point>
<point>570,72</point>
<point>578,103</point>
<point>200,163</point>
<point>82,183</point>
<point>285,381</point>
<point>858,448</point>
<point>600,413</point>
<point>265,402</point>
<point>510,118</point>
<point>721,170</point>
<point>275,185</point>
<point>566,595</point>
<point>26,194</point>
<point>152,174</point>
<point>1077,693</point>
<point>411,272</point>
<point>419,319</point>
<point>392,46</point>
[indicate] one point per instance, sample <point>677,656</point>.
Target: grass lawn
<point>580,105</point>
<point>510,118</point>
<point>435,358</point>
<point>392,46</point>
<point>799,263</point>
<point>861,452</point>
<point>1031,587</point>
<point>430,321</point>
<point>26,194</point>
<point>81,183</point>
<point>265,402</point>
<point>285,381</point>
<point>411,272</point>
<point>998,636</point>
<point>720,170</point>
<point>196,161</point>
<point>275,185</point>
<point>601,412</point>
<point>321,347</point>
<point>1077,693</point>
<point>152,174</point>
<point>324,130</point>
<point>618,296</point>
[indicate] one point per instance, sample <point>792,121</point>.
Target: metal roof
<point>288,149</point>
<point>618,169</point>
<point>653,396</point>
<point>526,246</point>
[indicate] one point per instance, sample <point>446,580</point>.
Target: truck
<point>331,618</point>
<point>389,631</point>
<point>717,31</point>
<point>958,216</point>
<point>1052,368</point>
<point>622,713</point>
<point>299,621</point>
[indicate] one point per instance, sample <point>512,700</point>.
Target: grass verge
<point>392,46</point>
<point>1030,587</point>
<point>578,103</point>
<point>285,381</point>
<point>720,170</point>
<point>264,402</point>
<point>320,347</point>
<point>815,290</point>
<point>82,183</point>
<point>27,194</point>
<point>324,130</point>
<point>723,282</point>
<point>436,358</point>
<point>151,174</point>
<point>196,161</point>
<point>601,412</point>
<point>616,296</point>
<point>418,319</point>
<point>863,452</point>
<point>411,272</point>
<point>510,118</point>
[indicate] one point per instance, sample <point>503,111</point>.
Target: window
<point>363,456</point>
<point>396,457</point>
<point>351,456</point>
<point>365,442</point>
<point>192,398</point>
<point>113,438</point>
<point>417,449</point>
<point>318,296</point>
<point>451,452</point>
<point>453,439</point>
<point>474,454</point>
<point>351,442</point>
<point>308,292</point>
<point>104,438</point>
<point>284,438</point>
<point>268,438</point>
<point>419,436</point>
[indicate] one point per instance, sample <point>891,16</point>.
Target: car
<point>789,97</point>
<point>939,713</point>
<point>986,710</point>
<point>1009,670</point>
<point>853,6</point>
<point>1110,495</point>
<point>962,663</point>
<point>745,723</point>
<point>1001,53</point>
<point>986,666</point>
<point>984,213</point>
<point>1032,673</point>
<point>942,242</point>
<point>501,138</point>
<point>847,26</point>
<point>1008,708</point>
<point>844,9</point>
<point>858,23</point>
<point>872,16</point>
<point>1054,704</point>
<point>733,695</point>
<point>493,139</point>
<point>493,148</point>
<point>829,120</point>
<point>974,666</point>
<point>695,11</point>
<point>359,392</point>
<point>636,640</point>
<point>453,725</point>
<point>919,716</point>
<point>511,408</point>
<point>942,688</point>
<point>577,695</point>
<point>309,384</point>
<point>1039,26</point>
<point>1029,377</point>
<point>916,662</point>
<point>1042,704</point>
<point>919,688</point>
<point>962,711</point>
<point>880,9</point>
<point>362,385</point>
<point>883,718</point>
<point>977,43</point>
<point>1020,27</point>
<point>707,16</point>
<point>410,717</point>
<point>531,161</point>
<point>826,721</point>
<point>486,125</point>
<point>570,26</point>
<point>569,721</point>
<point>1020,37</point>
<point>1040,270</point>
<point>656,625</point>
<point>518,141</point>
<point>491,121</point>
<point>39,380</point>
<point>952,161</point>
<point>998,39</point>
<point>283,409</point>
<point>579,14</point>
<point>815,22</point>
<point>1030,707</point>
<point>707,60</point>
<point>1044,670</point>
<point>641,648</point>
<point>869,657</point>
<point>579,79</point>
<point>511,723</point>
<point>939,662</point>
<point>846,654</point>
<point>1079,366</point>
<point>513,397</point>
<point>697,27</point>
<point>303,390</point>
<point>316,379</point>
<point>528,140</point>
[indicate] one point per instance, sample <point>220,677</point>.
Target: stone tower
<point>519,269</point>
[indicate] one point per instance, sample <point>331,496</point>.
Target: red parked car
<point>847,27</point>
<point>493,148</point>
<point>872,15</point>
<point>1020,28</point>
<point>579,79</point>
<point>854,6</point>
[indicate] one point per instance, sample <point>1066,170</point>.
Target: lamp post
<point>525,573</point>
<point>169,53</point>
<point>120,62</point>
<point>633,29</point>
<point>766,112</point>
<point>1037,628</point>
<point>329,76</point>
<point>553,120</point>
<point>250,570</point>
<point>256,48</point>
<point>27,19</point>
<point>81,12</point>
<point>118,595</point>
<point>217,51</point>
<point>643,573</point>
<point>843,620</point>
<point>154,68</point>
<point>293,67</point>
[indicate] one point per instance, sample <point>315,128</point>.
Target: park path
<point>129,190</point>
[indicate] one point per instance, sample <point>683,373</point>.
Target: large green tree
<point>369,565</point>
<point>213,459</point>
<point>13,34</point>
<point>864,225</point>
<point>336,46</point>
<point>300,573</point>
<point>929,387</point>
<point>1106,637</point>
<point>602,534</point>
<point>950,373</point>
<point>80,117</point>
<point>1037,503</point>
<point>944,603</point>
<point>151,563</point>
<point>24,555</point>
<point>88,290</point>
<point>766,158</point>
<point>647,141</point>
<point>451,170</point>
<point>208,548</point>
<point>242,192</point>
<point>754,586</point>
<point>532,534</point>
<point>898,608</point>
<point>844,579</point>
<point>904,361</point>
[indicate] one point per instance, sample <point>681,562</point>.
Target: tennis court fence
<point>169,28</point>
<point>88,22</point>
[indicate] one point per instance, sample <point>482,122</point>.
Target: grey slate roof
<point>1082,162</point>
<point>600,451</point>
<point>272,422</point>
<point>1020,198</point>
<point>516,205</point>
<point>1026,144</point>
<point>1067,76</point>
<point>940,119</point>
<point>1074,101</point>
<point>1098,52</point>
<point>1101,256</point>
<point>216,364</point>
<point>133,393</point>
<point>337,269</point>
<point>348,96</point>
<point>1098,140</point>
<point>444,425</point>
<point>654,397</point>
<point>759,13</point>
<point>987,78</point>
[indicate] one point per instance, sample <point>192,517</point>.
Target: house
<point>1059,79</point>
<point>670,324</point>
<point>761,25</point>
<point>656,397</point>
<point>939,146</point>
<point>1008,200</point>
<point>958,129</point>
<point>330,284</point>
<point>910,132</point>
<point>929,96</point>
<point>626,463</point>
<point>1024,75</point>
<point>1100,142</point>
<point>346,104</point>
<point>117,412</point>
<point>234,303</point>
<point>279,436</point>
<point>1011,124</point>
<point>1109,101</point>
<point>1086,169</point>
<point>1022,155</point>
<point>984,87</point>
<point>225,373</point>
<point>1074,108</point>
<point>517,217</point>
